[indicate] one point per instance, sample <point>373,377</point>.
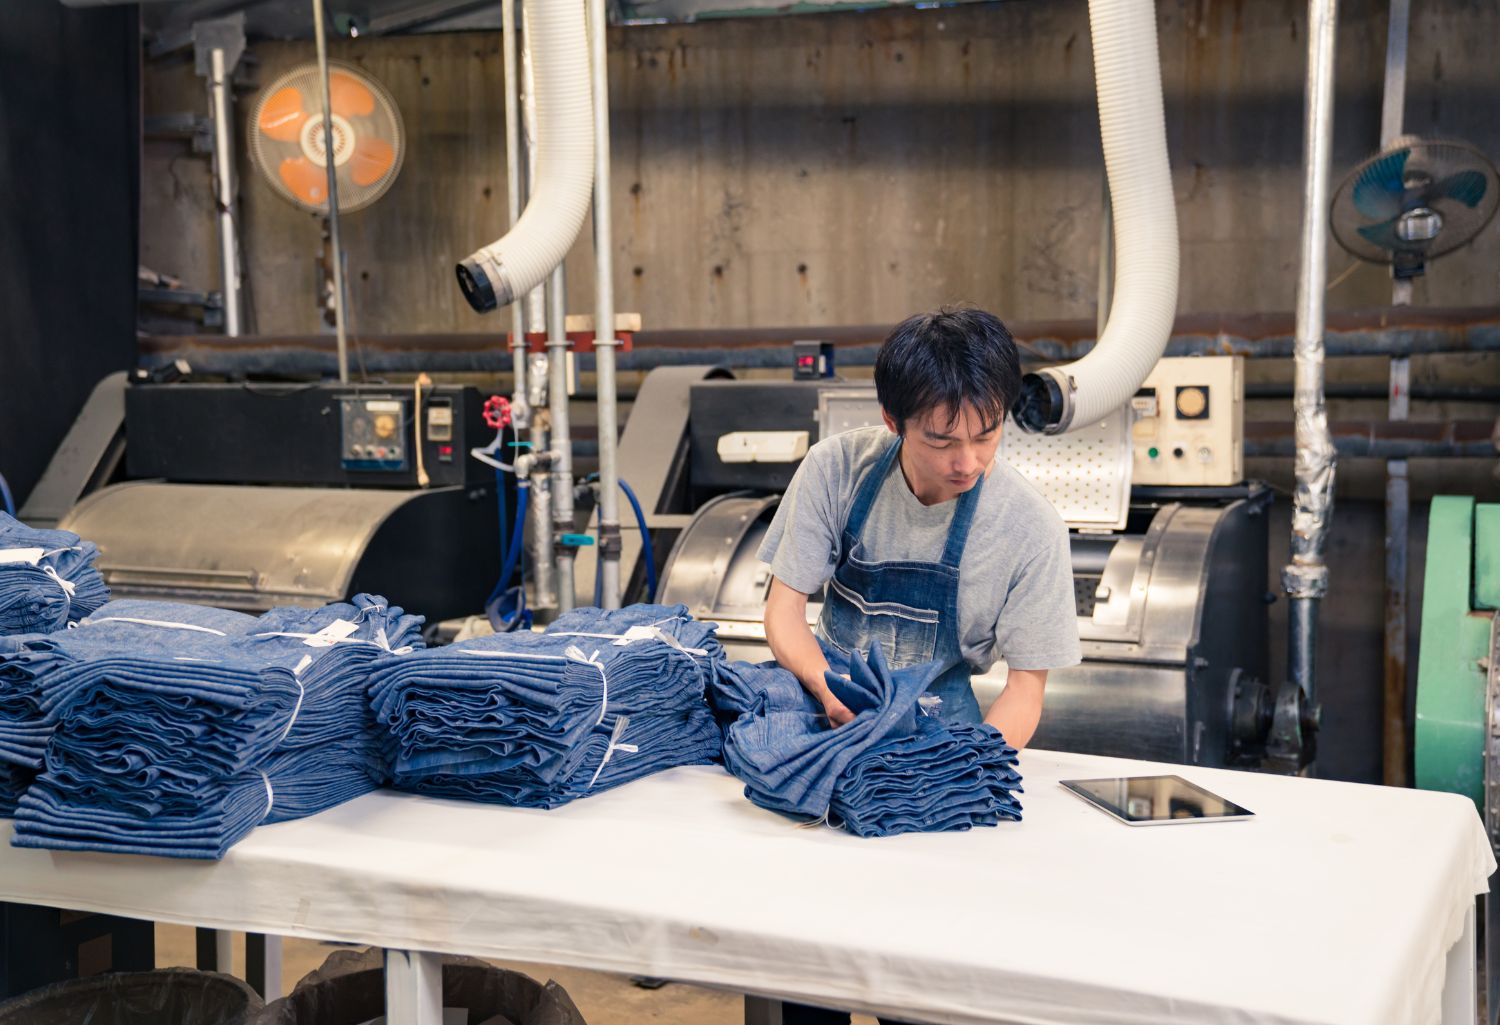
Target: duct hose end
<point>476,286</point>
<point>1046,402</point>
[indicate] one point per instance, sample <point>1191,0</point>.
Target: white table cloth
<point>1339,903</point>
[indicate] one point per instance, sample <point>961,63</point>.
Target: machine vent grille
<point>1085,591</point>
<point>1085,473</point>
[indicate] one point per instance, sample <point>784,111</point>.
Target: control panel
<point>1189,425</point>
<point>375,435</point>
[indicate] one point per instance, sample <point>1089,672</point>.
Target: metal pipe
<point>604,315</point>
<point>535,300</point>
<point>1397,484</point>
<point>514,163</point>
<point>220,101</point>
<point>562,437</point>
<point>1381,439</point>
<point>539,534</point>
<point>1306,576</point>
<point>331,165</point>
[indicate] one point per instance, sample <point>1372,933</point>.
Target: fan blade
<point>1379,190</point>
<point>349,96</point>
<point>373,157</point>
<point>307,180</point>
<point>282,116</point>
<point>1384,235</point>
<point>1468,187</point>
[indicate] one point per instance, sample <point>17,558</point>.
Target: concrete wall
<point>853,167</point>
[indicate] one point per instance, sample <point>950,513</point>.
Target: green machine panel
<point>1460,593</point>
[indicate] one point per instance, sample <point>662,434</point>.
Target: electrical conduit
<point>1127,71</point>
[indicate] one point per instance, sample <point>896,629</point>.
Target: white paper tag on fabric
<point>30,556</point>
<point>331,634</point>
<point>638,633</point>
<point>306,661</point>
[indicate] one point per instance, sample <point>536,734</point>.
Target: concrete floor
<point>603,998</point>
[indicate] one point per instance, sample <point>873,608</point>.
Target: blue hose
<point>500,506</point>
<point>508,568</point>
<point>10,503</point>
<point>647,552</point>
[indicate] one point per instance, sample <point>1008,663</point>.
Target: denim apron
<point>911,608</point>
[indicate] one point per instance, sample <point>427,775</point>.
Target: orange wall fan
<point>287,138</point>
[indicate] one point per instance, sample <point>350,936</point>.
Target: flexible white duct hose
<point>1127,72</point>
<point>564,185</point>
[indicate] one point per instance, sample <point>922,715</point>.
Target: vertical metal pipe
<point>333,194</point>
<point>220,103</point>
<point>562,438</point>
<point>604,315</point>
<point>1306,576</point>
<point>514,164</point>
<point>539,537</point>
<point>1397,488</point>
<point>535,300</point>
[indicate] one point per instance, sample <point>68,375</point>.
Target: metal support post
<point>1306,576</point>
<point>562,438</point>
<point>221,99</point>
<point>1397,486</point>
<point>604,315</point>
<point>762,1011</point>
<point>413,988</point>
<point>515,162</point>
<point>339,298</point>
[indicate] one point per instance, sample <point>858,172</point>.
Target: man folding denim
<point>926,541</point>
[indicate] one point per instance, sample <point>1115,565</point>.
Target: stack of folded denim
<point>889,770</point>
<point>47,578</point>
<point>34,690</point>
<point>183,748</point>
<point>940,778</point>
<point>538,720</point>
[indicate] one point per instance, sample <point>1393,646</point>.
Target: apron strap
<point>963,518</point>
<point>869,490</point>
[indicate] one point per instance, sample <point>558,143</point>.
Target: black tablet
<point>1156,800</point>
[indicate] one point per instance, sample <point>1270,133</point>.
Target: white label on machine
<point>331,634</point>
<point>30,556</point>
<point>763,446</point>
<point>383,405</point>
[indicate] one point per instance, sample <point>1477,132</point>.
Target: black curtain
<point>70,131</point>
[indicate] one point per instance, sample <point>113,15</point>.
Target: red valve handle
<point>497,412</point>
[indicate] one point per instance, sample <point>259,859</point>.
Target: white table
<point>1338,903</point>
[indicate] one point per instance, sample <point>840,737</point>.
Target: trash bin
<point>172,996</point>
<point>349,989</point>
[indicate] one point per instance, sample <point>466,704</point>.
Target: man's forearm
<point>797,650</point>
<point>1018,709</point>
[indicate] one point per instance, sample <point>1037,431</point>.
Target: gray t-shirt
<point>1015,593</point>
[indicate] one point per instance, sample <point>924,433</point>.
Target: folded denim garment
<point>941,778</point>
<point>162,745</point>
<point>286,786</point>
<point>47,578</point>
<point>537,720</point>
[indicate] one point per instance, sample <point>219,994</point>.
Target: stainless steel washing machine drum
<point>433,552</point>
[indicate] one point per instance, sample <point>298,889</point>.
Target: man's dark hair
<point>944,360</point>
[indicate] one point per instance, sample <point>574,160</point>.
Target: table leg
<point>263,965</point>
<point>762,1011</point>
<point>413,988</point>
<point>1460,996</point>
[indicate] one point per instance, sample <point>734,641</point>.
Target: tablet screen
<point>1152,800</point>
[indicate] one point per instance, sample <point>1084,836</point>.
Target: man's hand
<point>837,713</point>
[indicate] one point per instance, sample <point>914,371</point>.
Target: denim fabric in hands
<point>47,578</point>
<point>790,760</point>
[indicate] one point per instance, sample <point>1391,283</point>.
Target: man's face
<point>942,460</point>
